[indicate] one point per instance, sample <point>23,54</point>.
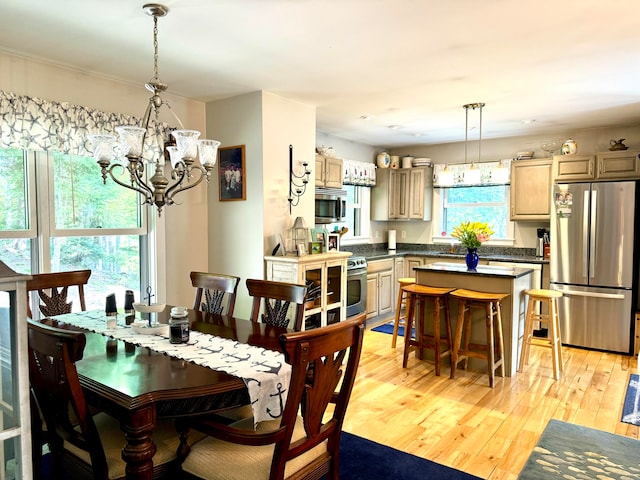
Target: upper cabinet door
<point>619,165</point>
<point>568,168</point>
<point>333,172</point>
<point>530,191</point>
<point>328,172</point>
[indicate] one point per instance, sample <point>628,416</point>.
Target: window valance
<point>358,173</point>
<point>462,174</point>
<point>31,123</point>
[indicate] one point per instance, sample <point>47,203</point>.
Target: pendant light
<point>472,175</point>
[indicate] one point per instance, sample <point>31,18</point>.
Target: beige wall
<point>182,231</point>
<point>240,232</point>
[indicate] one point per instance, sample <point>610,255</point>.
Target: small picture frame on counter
<point>315,247</point>
<point>333,242</point>
<point>302,250</point>
<point>319,235</point>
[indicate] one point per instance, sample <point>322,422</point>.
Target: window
<point>357,218</point>
<point>481,203</point>
<point>60,216</point>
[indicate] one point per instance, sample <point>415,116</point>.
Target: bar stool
<point>402,302</point>
<point>463,349</point>
<point>553,341</point>
<point>419,295</point>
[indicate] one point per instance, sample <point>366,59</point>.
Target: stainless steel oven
<point>356,285</point>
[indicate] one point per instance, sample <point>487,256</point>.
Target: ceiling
<point>540,66</point>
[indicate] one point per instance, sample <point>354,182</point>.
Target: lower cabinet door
<point>372,295</point>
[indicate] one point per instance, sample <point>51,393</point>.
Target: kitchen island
<point>493,279</point>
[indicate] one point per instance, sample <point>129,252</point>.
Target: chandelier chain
<point>155,49</point>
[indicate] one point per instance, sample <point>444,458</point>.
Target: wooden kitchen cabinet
<point>410,263</point>
<point>420,194</point>
<point>380,287</point>
<point>573,167</point>
<point>402,194</point>
<point>328,172</point>
<point>531,189</point>
<point>329,270</point>
<point>618,165</point>
<point>397,274</point>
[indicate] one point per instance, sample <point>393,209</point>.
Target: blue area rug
<point>631,408</point>
<point>574,452</point>
<point>388,328</point>
<point>363,459</point>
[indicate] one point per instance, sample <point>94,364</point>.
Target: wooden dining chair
<point>82,445</point>
<point>214,287</point>
<point>276,297</point>
<point>305,441</point>
<point>52,289</point>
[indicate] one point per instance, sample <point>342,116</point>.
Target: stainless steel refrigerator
<point>592,262</point>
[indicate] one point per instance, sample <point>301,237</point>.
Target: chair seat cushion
<point>165,437</point>
<point>215,459</point>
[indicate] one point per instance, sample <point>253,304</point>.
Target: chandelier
<point>184,172</point>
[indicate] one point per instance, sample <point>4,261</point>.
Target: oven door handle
<point>356,271</point>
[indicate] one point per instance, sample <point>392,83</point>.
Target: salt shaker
<point>129,299</point>
<point>110,307</point>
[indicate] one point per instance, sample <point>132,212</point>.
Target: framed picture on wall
<point>232,174</point>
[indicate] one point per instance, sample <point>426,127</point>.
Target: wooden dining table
<point>139,386</point>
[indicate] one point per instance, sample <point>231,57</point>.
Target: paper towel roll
<point>392,240</point>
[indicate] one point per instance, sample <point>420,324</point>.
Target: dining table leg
<point>139,450</point>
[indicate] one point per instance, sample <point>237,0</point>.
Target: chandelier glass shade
<point>126,151</point>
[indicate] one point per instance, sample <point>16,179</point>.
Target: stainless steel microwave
<point>331,205</point>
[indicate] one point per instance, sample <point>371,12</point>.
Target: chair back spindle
<point>52,289</point>
<point>276,298</point>
<point>214,287</point>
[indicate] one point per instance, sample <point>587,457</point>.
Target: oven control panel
<point>356,262</point>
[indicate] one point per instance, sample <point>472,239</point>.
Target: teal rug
<point>567,451</point>
<point>631,408</point>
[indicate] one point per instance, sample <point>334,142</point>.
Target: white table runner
<point>264,372</point>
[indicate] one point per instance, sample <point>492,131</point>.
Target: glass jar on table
<point>179,325</point>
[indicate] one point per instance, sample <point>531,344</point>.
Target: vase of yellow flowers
<point>472,235</point>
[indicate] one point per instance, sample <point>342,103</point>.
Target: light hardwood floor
<point>466,425</point>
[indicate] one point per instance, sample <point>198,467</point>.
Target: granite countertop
<point>481,270</point>
<point>383,254</point>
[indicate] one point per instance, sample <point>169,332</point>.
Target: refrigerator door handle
<point>585,232</point>
<point>576,293</point>
<point>592,240</point>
